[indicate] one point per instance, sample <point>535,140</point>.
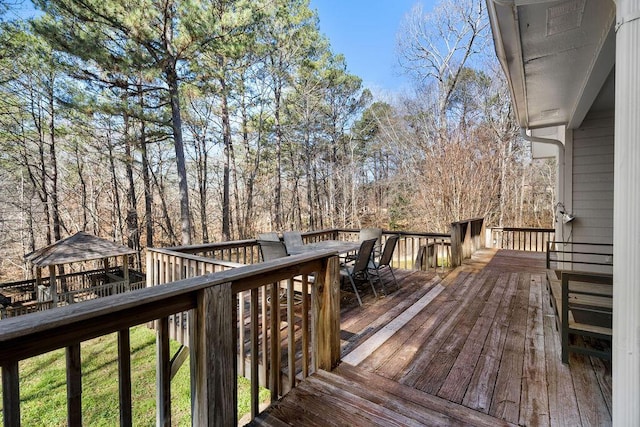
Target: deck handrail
<point>212,299</point>
<point>532,239</point>
<point>247,251</point>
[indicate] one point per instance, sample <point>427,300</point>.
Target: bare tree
<point>438,46</point>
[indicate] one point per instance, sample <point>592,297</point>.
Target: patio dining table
<point>340,246</point>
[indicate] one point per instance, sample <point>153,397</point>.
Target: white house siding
<point>592,201</point>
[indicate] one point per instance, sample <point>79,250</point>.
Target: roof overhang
<point>556,55</point>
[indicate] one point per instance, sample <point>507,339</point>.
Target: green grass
<point>43,385</point>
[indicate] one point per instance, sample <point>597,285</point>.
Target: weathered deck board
<point>436,372</point>
<point>506,397</point>
<point>391,359</point>
<point>391,328</point>
<point>362,329</point>
<point>480,390</point>
<point>563,406</point>
<point>441,324</point>
<point>534,404</point>
<point>593,408</point>
<point>455,385</point>
<point>485,348</point>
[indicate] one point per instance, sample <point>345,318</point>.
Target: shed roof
<point>77,248</point>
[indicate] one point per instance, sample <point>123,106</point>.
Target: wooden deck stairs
<point>355,397</point>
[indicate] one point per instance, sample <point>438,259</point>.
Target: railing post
<point>456,244</point>
<point>326,316</point>
<point>213,355</point>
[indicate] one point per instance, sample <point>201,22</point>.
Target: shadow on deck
<point>477,347</point>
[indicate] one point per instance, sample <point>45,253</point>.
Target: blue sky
<point>364,31</point>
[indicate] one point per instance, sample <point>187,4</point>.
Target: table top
<point>340,246</point>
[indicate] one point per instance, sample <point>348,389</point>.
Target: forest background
<point>157,123</point>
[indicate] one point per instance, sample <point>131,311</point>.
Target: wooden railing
<point>72,281</point>
<point>213,304</point>
<point>519,238</point>
<point>466,237</point>
<point>408,254</point>
<point>26,297</point>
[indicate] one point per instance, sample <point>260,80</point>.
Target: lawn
<point>43,386</point>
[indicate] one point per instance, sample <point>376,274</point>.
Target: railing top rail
<point>214,245</point>
<point>462,221</point>
<point>38,333</point>
<point>539,229</point>
<point>579,252</point>
<point>186,255</point>
<point>253,242</point>
<point>401,233</point>
<point>580,243</point>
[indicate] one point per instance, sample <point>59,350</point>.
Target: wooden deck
<point>478,347</point>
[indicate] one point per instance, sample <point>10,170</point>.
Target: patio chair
<point>274,250</point>
<point>271,236</point>
<point>271,250</point>
<point>372,233</point>
<point>385,261</point>
<point>359,269</point>
<point>292,239</point>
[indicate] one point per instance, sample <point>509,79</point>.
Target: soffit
<point>556,54</point>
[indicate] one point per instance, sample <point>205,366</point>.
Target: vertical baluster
<point>254,353</point>
<point>10,394</point>
<point>274,371</point>
<point>265,375</point>
<point>124,377</point>
<point>241,331</point>
<point>163,373</point>
<point>291,350</point>
<point>74,385</point>
<point>305,326</point>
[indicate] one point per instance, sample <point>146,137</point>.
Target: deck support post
<point>326,316</point>
<point>213,357</point>
<point>626,214</point>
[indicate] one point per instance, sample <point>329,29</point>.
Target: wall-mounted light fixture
<point>566,217</point>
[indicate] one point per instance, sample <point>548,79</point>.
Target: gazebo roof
<point>77,248</point>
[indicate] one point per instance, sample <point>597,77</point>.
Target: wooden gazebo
<point>80,247</point>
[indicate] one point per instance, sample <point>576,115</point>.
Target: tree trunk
<point>117,215</point>
<point>277,199</point>
<point>83,188</point>
<point>133,236</point>
<point>148,199</point>
<point>55,210</point>
<point>226,138</point>
<point>176,124</point>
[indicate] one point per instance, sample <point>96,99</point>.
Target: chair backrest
<point>364,255</point>
<point>389,247</point>
<point>371,233</point>
<point>292,238</point>
<point>272,250</point>
<point>270,237</point>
